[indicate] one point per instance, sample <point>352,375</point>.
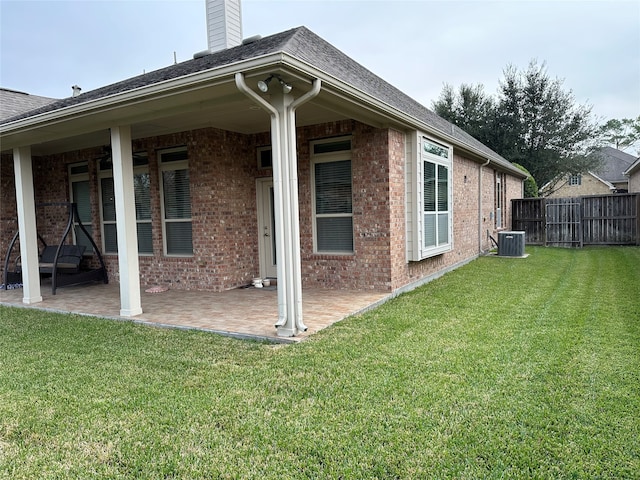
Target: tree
<point>530,185</point>
<point>533,122</point>
<point>621,134</point>
<point>469,108</point>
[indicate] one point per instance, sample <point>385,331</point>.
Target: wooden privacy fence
<point>578,221</point>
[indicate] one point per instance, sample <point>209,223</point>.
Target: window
<point>575,180</point>
<point>80,194</point>
<point>142,187</point>
<point>176,202</point>
<point>265,157</point>
<point>332,198</point>
<point>430,198</point>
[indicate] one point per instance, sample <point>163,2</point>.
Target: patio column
<point>281,107</point>
<point>25,201</point>
<point>130,302</point>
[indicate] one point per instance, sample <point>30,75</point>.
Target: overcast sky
<point>418,46</point>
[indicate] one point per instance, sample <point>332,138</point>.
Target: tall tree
<point>548,133</point>
<point>533,122</point>
<point>621,134</point>
<point>469,108</point>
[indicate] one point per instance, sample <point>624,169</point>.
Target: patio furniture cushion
<point>68,262</point>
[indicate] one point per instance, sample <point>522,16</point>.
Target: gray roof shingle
<point>14,103</point>
<point>304,45</point>
<point>614,163</point>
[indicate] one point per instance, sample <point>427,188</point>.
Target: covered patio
<point>248,313</point>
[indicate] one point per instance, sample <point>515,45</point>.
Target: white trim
<point>330,157</point>
<point>74,178</point>
<point>264,219</point>
<point>170,166</point>
<point>417,157</point>
<point>108,173</point>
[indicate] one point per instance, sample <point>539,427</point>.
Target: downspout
<point>275,148</point>
<point>480,206</point>
<point>285,172</point>
<point>293,179</point>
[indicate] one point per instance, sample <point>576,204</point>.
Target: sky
<point>418,46</point>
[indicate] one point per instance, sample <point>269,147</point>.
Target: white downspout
<point>295,214</point>
<point>480,206</point>
<point>277,191</point>
<point>285,180</point>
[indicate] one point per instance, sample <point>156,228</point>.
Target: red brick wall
<point>223,172</point>
<point>370,266</point>
<point>465,226</point>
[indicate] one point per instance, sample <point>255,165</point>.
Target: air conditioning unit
<point>511,244</point>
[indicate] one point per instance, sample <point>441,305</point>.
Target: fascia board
<point>634,166</point>
<point>158,90</point>
<point>364,100</point>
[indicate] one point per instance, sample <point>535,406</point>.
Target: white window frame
<point>164,167</point>
<point>74,178</point>
<point>575,180</point>
<point>416,158</point>
<point>108,173</point>
<point>329,157</point>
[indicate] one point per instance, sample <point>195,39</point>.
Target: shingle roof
<point>614,163</point>
<point>304,45</point>
<point>13,103</point>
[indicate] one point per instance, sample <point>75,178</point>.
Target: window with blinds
<point>142,194</point>
<point>81,195</point>
<point>176,202</point>
<point>333,210</point>
<point>437,197</point>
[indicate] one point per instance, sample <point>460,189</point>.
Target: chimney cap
<point>76,90</point>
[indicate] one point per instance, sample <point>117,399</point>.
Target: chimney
<point>224,24</point>
<point>76,90</point>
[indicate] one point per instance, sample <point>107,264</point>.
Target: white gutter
<point>385,109</point>
<point>165,88</point>
<point>203,78</point>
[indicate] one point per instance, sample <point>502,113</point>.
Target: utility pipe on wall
<point>480,205</point>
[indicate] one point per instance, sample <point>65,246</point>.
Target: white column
<point>285,245</point>
<point>130,302</point>
<point>281,107</point>
<point>25,199</point>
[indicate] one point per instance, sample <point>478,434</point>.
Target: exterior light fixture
<point>263,85</point>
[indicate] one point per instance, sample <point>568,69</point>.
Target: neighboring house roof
<point>634,168</point>
<point>561,182</point>
<point>614,164</point>
<point>14,103</point>
<point>305,46</point>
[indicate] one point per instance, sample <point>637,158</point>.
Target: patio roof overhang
<point>205,99</point>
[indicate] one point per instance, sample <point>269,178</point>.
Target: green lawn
<point>505,368</point>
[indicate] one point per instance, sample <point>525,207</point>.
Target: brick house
<point>610,177</point>
<point>271,157</point>
<point>633,173</point>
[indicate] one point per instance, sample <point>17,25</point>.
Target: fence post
<point>544,221</point>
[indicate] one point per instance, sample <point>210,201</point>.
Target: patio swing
<point>61,262</point>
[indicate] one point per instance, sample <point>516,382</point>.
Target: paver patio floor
<point>242,312</point>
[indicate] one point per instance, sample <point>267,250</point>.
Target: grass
<point>505,368</point>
